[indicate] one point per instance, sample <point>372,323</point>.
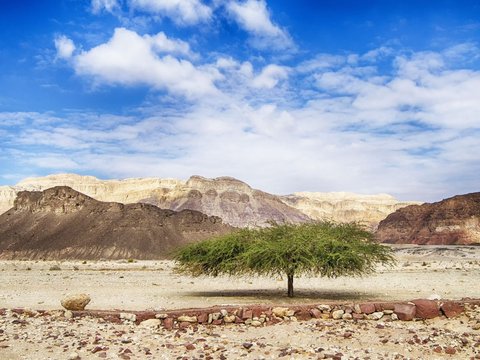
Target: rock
<point>73,356</point>
<point>280,311</point>
<point>347,316</point>
<point>75,302</point>
<point>394,317</point>
<point>450,350</point>
<point>128,317</point>
<point>337,314</point>
<point>455,220</point>
<point>405,312</point>
<point>377,315</point>
<point>168,323</point>
<point>223,312</point>
<point>451,309</point>
<point>229,319</point>
<point>189,319</point>
<point>324,308</point>
<point>247,314</point>
<point>68,314</point>
<point>426,309</point>
<point>255,323</point>
<point>367,308</point>
<point>247,345</point>
<point>317,314</point>
<point>161,316</point>
<point>151,323</point>
<point>202,318</point>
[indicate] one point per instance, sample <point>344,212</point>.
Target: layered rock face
<point>454,220</point>
<point>345,207</point>
<point>61,223</point>
<point>232,200</point>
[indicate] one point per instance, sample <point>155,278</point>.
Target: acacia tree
<point>316,249</point>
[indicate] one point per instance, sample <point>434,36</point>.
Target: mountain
<point>230,199</point>
<point>455,220</point>
<point>345,207</point>
<point>63,223</point>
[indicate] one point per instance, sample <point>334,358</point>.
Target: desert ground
<point>440,272</point>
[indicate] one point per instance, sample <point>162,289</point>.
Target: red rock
<point>356,316</point>
<point>247,314</point>
<point>257,311</point>
<point>426,309</point>
<point>303,315</point>
<point>239,320</point>
<point>168,323</point>
<point>451,309</point>
<point>437,349</point>
<point>405,312</point>
<point>189,346</point>
<point>217,322</point>
<point>317,314</point>
<point>184,325</point>
<point>385,306</point>
<point>450,350</point>
<point>367,308</point>
<point>202,318</point>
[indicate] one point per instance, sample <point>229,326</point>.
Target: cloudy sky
<point>304,95</point>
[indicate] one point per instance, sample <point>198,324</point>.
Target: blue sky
<point>359,96</point>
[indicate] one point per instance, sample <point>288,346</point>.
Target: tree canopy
<point>317,249</point>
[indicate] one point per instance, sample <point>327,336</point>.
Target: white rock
<point>375,316</point>
<point>128,317</point>
<point>280,311</point>
<point>337,314</point>
<point>151,323</point>
<point>185,318</point>
<point>75,302</point>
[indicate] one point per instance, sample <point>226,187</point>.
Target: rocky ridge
<point>230,199</point>
<point>455,220</point>
<point>61,223</point>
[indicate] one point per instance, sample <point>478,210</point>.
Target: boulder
<point>405,312</point>
<point>75,302</point>
<point>451,309</point>
<point>426,309</point>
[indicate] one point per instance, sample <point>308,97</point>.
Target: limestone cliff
<point>455,220</point>
<point>61,223</point>
<point>230,199</point>
<point>345,207</point>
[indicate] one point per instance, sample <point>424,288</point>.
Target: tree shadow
<point>274,295</point>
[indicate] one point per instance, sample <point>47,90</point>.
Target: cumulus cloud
<point>130,59</point>
<point>65,47</point>
<point>107,5</point>
<point>411,131</point>
<point>183,12</point>
<point>254,17</point>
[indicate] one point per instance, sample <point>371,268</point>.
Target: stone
<point>337,314</point>
<point>202,318</point>
<point>426,309</point>
<point>317,314</point>
<point>229,319</point>
<point>394,317</point>
<point>367,308</point>
<point>324,308</point>
<point>247,345</point>
<point>405,312</point>
<point>256,323</point>
<point>128,317</point>
<point>75,302</point>
<point>223,312</point>
<point>73,356</point>
<point>247,314</point>
<point>68,314</point>
<point>451,309</point>
<point>347,316</point>
<point>161,316</point>
<point>151,323</point>
<point>168,323</point>
<point>377,315</point>
<point>280,311</point>
<point>450,350</point>
<point>186,318</point>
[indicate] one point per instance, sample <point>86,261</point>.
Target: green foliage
<point>321,248</point>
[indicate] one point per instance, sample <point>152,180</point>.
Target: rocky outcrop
<point>61,223</point>
<point>451,221</point>
<point>345,207</point>
<point>230,199</point>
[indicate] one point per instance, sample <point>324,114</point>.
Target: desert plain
<point>435,272</point>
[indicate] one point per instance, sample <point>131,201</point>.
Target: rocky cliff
<point>345,207</point>
<point>454,220</point>
<point>234,201</point>
<point>62,223</point>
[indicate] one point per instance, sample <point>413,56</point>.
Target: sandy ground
<point>446,272</point>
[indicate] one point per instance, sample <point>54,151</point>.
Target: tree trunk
<point>290,285</point>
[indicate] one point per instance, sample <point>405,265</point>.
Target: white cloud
<point>107,5</point>
<point>270,76</point>
<point>184,12</point>
<point>130,59</point>
<point>65,47</point>
<point>254,17</point>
